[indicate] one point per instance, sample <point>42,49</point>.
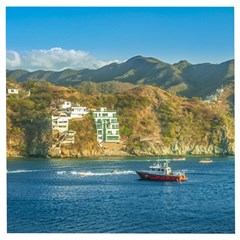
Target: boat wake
<point>23,171</point>
<point>88,173</point>
<point>78,173</point>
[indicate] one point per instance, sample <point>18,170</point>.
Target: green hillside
<point>152,122</point>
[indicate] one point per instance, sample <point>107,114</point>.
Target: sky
<point>57,38</point>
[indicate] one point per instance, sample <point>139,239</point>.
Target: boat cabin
<point>161,168</point>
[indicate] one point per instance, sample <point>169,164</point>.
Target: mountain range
<point>182,78</point>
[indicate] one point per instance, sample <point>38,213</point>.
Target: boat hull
<point>157,177</point>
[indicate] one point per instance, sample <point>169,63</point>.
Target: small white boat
<point>205,161</point>
<point>179,159</point>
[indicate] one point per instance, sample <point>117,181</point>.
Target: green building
<point>107,125</point>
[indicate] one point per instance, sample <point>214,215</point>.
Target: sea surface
<point>88,196</point>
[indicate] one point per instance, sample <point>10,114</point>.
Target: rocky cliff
<point>169,125</point>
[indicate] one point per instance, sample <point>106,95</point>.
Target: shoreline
<point>119,156</point>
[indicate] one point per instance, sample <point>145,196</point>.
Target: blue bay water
<point>86,196</point>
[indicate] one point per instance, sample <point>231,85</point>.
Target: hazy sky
<point>79,37</point>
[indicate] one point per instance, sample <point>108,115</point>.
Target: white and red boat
<point>160,171</point>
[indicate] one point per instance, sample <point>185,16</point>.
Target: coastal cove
<point>105,195</point>
<point>120,120</point>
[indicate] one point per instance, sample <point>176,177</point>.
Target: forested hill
<point>152,122</point>
<point>182,78</point>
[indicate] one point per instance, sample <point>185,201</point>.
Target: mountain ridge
<point>183,78</point>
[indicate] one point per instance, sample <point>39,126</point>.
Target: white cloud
<point>13,59</point>
<point>53,59</point>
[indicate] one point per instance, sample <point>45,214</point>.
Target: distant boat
<point>205,161</point>
<point>179,159</point>
<point>160,171</point>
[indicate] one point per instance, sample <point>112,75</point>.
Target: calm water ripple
<point>88,196</point>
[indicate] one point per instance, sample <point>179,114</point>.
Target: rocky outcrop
<point>33,140</point>
<point>152,148</point>
<point>219,143</point>
<point>15,145</point>
<point>144,148</point>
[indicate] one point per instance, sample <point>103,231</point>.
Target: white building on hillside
<point>66,105</point>
<point>12,91</point>
<point>219,91</point>
<point>60,122</point>
<point>78,112</point>
<point>107,125</point>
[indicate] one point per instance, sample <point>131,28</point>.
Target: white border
<point>237,120</point>
<point>169,3</point>
<point>3,199</point>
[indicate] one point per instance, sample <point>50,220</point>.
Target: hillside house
<point>214,97</point>
<point>12,91</point>
<point>211,98</point>
<point>78,112</point>
<point>219,91</point>
<point>65,105</point>
<point>60,122</point>
<point>107,125</point>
